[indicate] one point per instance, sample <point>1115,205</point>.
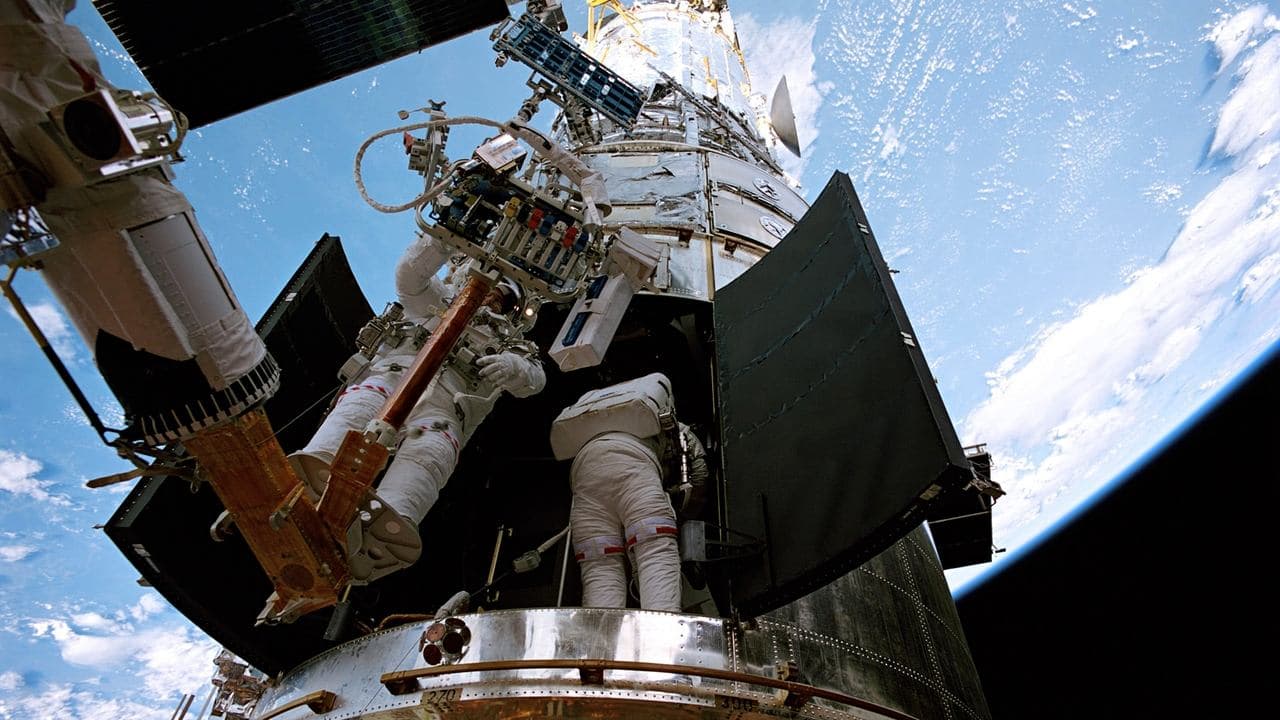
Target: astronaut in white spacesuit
<point>625,441</point>
<point>452,406</point>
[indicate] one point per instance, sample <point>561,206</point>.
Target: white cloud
<point>10,680</point>
<point>95,622</point>
<point>1125,43</point>
<point>1078,402</point>
<point>55,328</point>
<point>147,606</point>
<point>63,702</point>
<point>891,145</point>
<point>1082,15</point>
<point>14,553</point>
<point>1260,279</point>
<point>785,48</point>
<point>18,476</point>
<point>1162,193</point>
<point>167,659</point>
<point>1234,33</point>
<point>177,659</point>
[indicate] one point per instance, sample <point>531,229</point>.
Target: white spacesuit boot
<point>617,483</point>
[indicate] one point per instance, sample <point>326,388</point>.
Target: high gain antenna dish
<point>783,118</point>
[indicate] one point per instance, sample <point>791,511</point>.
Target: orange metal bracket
<point>251,476</point>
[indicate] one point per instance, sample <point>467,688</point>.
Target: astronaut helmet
<point>505,297</point>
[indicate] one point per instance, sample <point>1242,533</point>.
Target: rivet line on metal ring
<point>922,618</point>
<point>884,662</point>
<point>941,620</point>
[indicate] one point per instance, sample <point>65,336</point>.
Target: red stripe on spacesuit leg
<point>597,547</point>
<point>650,527</point>
<point>457,449</point>
<point>383,391</point>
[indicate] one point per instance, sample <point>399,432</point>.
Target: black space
<point>1158,601</point>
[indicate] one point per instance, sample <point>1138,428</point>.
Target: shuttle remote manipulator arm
<point>139,280</point>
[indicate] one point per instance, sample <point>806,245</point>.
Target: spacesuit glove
<point>681,495</point>
<point>505,370</point>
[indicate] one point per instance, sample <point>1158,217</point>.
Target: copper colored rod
<point>360,458</point>
<point>432,355</point>
<point>396,681</point>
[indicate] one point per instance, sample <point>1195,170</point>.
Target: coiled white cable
<point>590,182</point>
<point>428,195</point>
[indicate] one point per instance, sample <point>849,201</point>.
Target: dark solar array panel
<point>212,60</point>
<point>577,73</point>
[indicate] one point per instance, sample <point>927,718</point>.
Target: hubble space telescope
<point>651,230</point>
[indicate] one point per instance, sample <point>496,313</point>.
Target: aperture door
<point>834,436</point>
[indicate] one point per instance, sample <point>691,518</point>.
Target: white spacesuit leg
<point>652,543</point>
<point>423,463</point>
<point>355,408</point>
<point>597,529</point>
<point>597,540</point>
<point>604,570</point>
<point>617,483</point>
<point>651,536</point>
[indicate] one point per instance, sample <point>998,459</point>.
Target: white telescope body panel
<point>698,48</point>
<point>757,183</point>
<point>655,189</point>
<point>743,217</point>
<point>694,174</point>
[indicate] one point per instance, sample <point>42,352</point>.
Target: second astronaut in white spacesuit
<point>627,442</point>
<point>453,405</point>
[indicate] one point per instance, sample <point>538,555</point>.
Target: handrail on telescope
<point>319,702</point>
<point>404,682</point>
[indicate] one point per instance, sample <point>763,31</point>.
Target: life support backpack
<point>644,408</point>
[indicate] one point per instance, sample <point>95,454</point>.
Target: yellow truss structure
<point>600,12</point>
